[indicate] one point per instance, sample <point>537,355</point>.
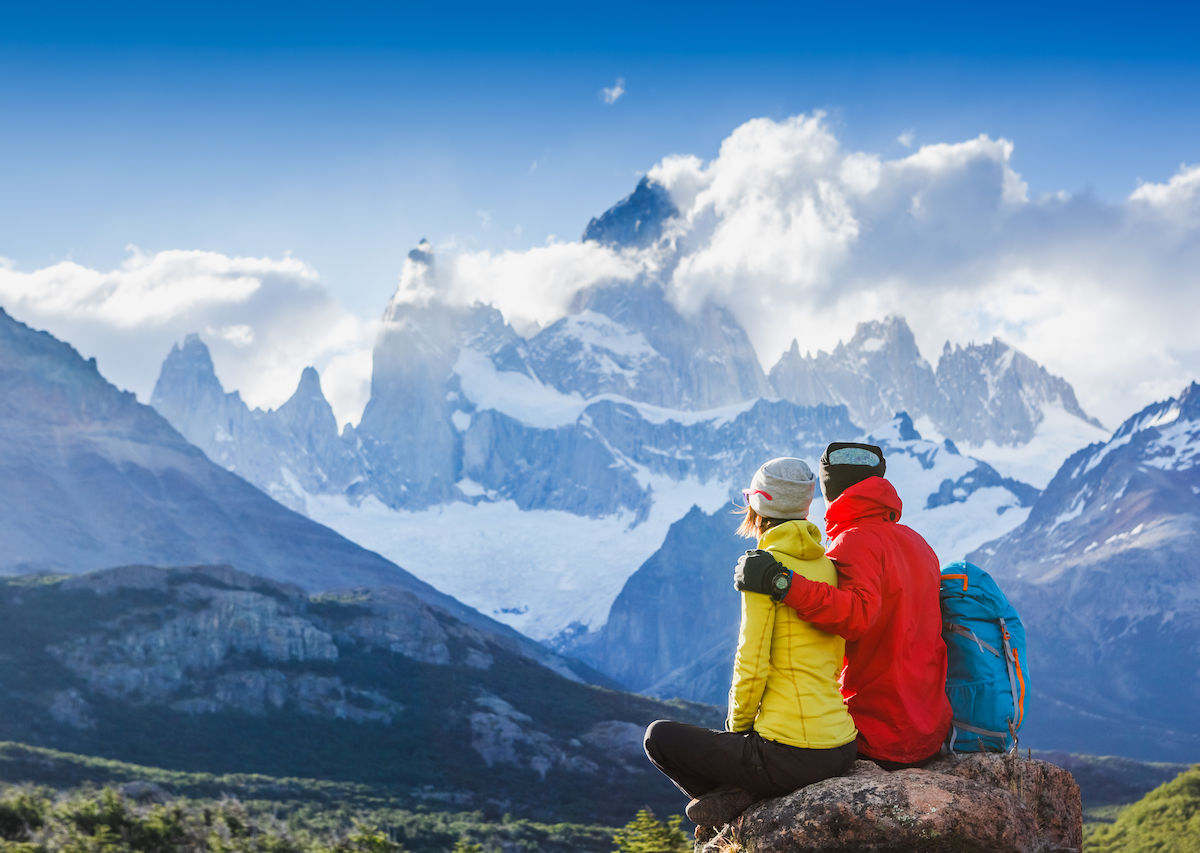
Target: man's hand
<point>757,571</point>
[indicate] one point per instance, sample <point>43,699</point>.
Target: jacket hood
<point>800,538</point>
<point>873,497</point>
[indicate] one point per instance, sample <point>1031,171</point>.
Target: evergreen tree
<point>647,834</point>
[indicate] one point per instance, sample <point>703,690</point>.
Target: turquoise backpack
<point>986,678</point>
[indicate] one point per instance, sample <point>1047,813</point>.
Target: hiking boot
<point>719,806</point>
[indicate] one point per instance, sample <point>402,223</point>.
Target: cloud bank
<point>802,238</point>
<point>798,236</point>
<point>263,319</point>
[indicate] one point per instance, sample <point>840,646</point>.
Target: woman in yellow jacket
<point>787,725</point>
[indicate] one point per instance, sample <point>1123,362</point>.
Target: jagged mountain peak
<point>1185,407</point>
<point>636,220</point>
<point>423,253</point>
<point>307,413</point>
<point>309,386</point>
<point>891,335</point>
<point>875,374</point>
<point>188,371</point>
<point>417,283</point>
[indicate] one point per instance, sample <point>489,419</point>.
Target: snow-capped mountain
<point>672,629</point>
<point>991,399</point>
<point>637,220</point>
<point>1106,575</point>
<point>597,432</point>
<point>875,374</point>
<point>605,477</point>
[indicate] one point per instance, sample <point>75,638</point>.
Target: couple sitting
<point>869,602</point>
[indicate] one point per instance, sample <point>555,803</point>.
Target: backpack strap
<point>966,727</point>
<point>963,631</point>
<point>1010,661</point>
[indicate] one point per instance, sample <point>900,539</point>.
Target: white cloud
<point>907,138</point>
<point>610,94</point>
<point>802,238</point>
<point>798,236</point>
<point>530,287</point>
<point>263,319</point>
<point>1178,200</point>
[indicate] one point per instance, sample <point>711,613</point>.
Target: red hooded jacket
<point>886,606</point>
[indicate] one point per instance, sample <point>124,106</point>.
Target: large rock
<point>986,803</point>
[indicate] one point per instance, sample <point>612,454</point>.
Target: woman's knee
<point>652,740</point>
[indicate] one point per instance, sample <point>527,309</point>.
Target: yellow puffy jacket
<point>785,675</point>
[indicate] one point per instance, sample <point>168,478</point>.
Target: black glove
<point>757,571</point>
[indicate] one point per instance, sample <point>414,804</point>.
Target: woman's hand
<point>758,571</point>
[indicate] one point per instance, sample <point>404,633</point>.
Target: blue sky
<point>341,134</point>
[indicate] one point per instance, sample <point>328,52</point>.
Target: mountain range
<point>604,428</point>
<point>574,484</point>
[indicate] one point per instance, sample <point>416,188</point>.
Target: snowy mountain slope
<point>672,630</point>
<point>955,501</point>
<point>1057,435</point>
<point>554,569</point>
<point>711,360</point>
<point>1106,576</point>
<point>605,476</point>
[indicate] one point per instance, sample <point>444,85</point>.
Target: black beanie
<point>852,463</point>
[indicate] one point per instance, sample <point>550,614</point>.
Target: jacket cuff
<point>801,594</point>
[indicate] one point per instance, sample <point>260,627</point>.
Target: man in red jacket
<point>885,605</point>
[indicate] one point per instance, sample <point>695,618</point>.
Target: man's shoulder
<point>880,536</point>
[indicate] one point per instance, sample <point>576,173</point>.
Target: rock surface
<point>993,803</point>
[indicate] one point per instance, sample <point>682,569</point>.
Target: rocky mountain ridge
<point>1105,575</point>
<point>977,394</point>
<point>219,670</point>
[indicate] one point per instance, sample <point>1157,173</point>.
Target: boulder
<point>988,803</point>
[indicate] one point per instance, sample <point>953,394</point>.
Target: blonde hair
<point>753,525</point>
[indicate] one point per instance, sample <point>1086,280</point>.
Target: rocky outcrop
<point>986,803</point>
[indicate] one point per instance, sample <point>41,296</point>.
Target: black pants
<point>698,760</point>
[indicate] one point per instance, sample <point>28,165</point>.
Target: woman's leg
<point>788,768</point>
<point>698,760</point>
